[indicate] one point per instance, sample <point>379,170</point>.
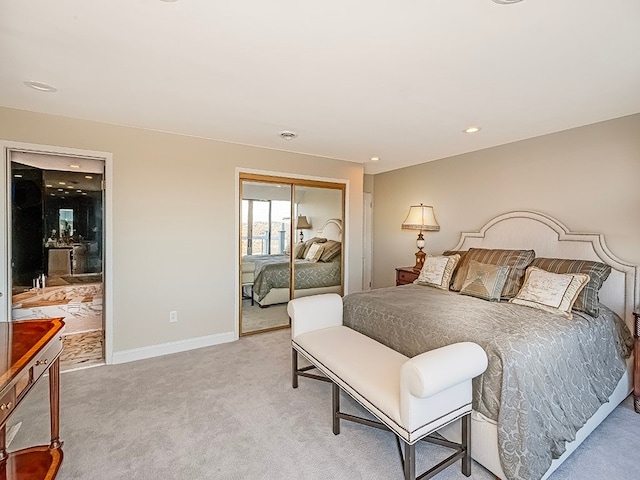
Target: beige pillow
<point>516,260</point>
<point>307,245</point>
<point>437,271</point>
<point>551,292</point>
<point>485,281</point>
<point>298,250</point>
<point>314,252</point>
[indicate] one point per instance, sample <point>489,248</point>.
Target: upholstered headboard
<point>331,230</point>
<point>550,238</point>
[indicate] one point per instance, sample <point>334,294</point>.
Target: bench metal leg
<point>409,461</point>
<point>466,445</point>
<point>335,394</point>
<point>294,368</point>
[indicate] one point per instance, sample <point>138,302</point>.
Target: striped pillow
<point>588,301</point>
<point>332,249</point>
<point>516,260</point>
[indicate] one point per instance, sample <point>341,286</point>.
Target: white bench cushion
<point>367,369</point>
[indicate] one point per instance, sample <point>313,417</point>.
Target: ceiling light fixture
<point>41,86</point>
<point>506,2</point>
<point>88,177</point>
<point>287,135</point>
<point>17,175</point>
<point>375,159</point>
<point>471,130</point>
<point>62,183</point>
<point>74,166</point>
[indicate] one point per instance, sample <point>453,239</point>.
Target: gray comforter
<point>547,374</point>
<point>272,271</point>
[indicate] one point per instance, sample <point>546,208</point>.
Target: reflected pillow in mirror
<point>314,252</point>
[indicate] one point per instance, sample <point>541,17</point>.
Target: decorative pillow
<point>332,249</point>
<point>463,254</point>
<point>437,271</point>
<point>298,250</point>
<point>485,281</point>
<point>314,252</point>
<point>307,244</point>
<point>588,301</point>
<point>516,260</point>
<point>552,292</point>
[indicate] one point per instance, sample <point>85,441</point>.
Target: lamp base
<point>301,236</point>
<point>420,256</point>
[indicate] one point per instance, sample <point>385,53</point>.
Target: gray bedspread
<point>272,271</point>
<point>547,374</point>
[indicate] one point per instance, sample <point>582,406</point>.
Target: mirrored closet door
<point>291,235</point>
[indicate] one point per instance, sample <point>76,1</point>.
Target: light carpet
<point>229,412</point>
<point>255,318</point>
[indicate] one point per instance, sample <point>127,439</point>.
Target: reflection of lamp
<point>421,217</point>
<point>302,223</point>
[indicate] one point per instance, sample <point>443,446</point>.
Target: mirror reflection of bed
<point>265,278</point>
<point>268,236</point>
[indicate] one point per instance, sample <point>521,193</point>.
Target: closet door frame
<point>293,181</point>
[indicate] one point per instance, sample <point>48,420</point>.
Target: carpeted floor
<point>229,412</point>
<point>255,318</point>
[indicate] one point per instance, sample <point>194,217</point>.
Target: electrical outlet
<point>173,316</point>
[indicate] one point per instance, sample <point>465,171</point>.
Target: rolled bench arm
<point>314,313</point>
<point>437,370</point>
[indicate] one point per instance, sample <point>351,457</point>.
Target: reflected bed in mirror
<point>267,276</point>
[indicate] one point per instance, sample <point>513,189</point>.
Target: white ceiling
<point>398,80</point>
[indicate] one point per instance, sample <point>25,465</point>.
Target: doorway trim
<point>286,175</point>
<point>5,147</point>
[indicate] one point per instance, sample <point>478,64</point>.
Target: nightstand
<point>406,275</point>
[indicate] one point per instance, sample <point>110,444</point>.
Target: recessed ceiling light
<point>60,190</point>
<point>62,183</point>
<point>84,193</point>
<point>53,194</point>
<point>471,130</point>
<point>74,166</point>
<point>49,186</point>
<point>168,1</point>
<point>288,135</point>
<point>41,86</point>
<point>88,177</point>
<point>375,159</point>
<point>17,175</point>
<point>79,191</point>
<point>506,2</point>
<point>66,193</point>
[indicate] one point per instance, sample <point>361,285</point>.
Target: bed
<point>266,277</point>
<point>551,379</point>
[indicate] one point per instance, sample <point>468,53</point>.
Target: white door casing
<point>5,268</point>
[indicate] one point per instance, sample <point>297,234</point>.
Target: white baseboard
<point>151,351</point>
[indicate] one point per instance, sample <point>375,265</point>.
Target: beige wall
<point>588,178</point>
<point>174,202</point>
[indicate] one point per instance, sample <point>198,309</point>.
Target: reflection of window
<point>265,227</point>
<point>65,221</point>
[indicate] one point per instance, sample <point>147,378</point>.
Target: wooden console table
<point>28,349</point>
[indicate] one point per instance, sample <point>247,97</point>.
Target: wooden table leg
<point>54,403</point>
<point>3,443</point>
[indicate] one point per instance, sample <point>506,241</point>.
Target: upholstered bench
<point>411,397</point>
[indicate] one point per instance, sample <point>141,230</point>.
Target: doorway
<point>291,245</point>
<point>56,258</point>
